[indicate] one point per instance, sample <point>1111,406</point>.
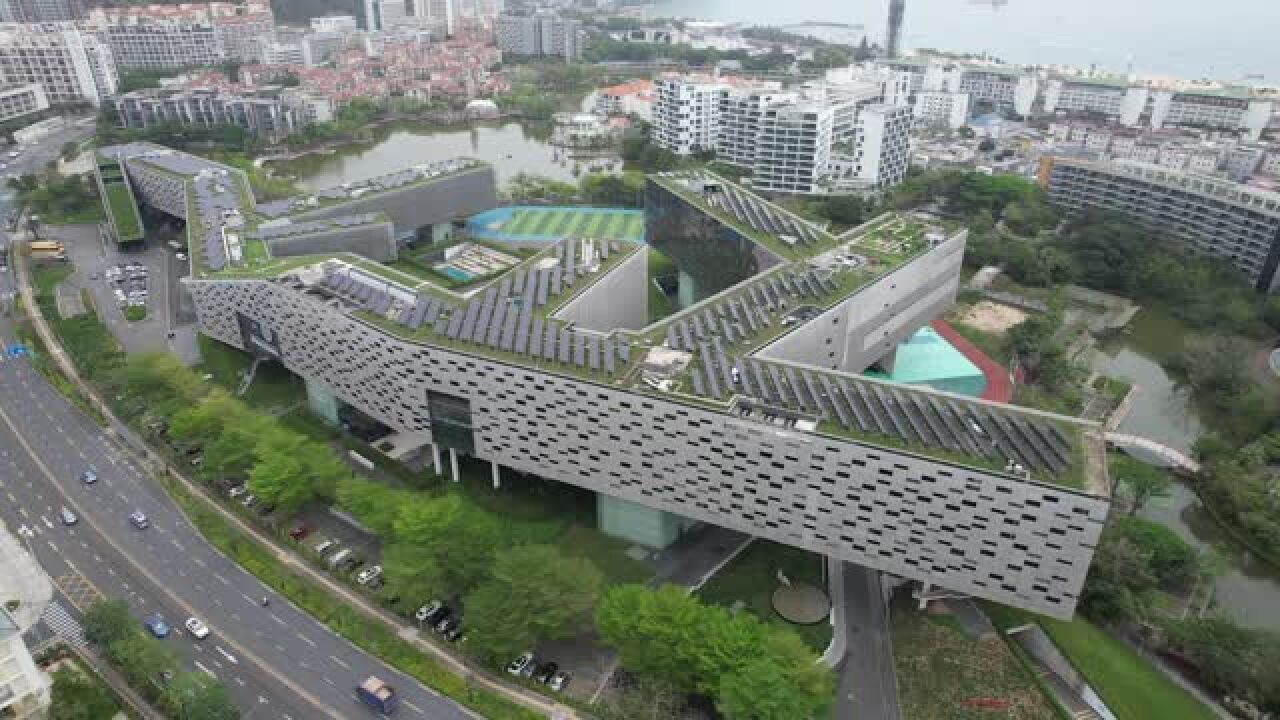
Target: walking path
<point>1164,452</point>
<point>999,388</point>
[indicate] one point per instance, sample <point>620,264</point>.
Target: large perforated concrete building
<point>744,409</point>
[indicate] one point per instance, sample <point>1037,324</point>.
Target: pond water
<point>1249,589</point>
<point>510,147</point>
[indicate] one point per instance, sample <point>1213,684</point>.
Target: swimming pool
<point>926,358</point>
<point>454,273</point>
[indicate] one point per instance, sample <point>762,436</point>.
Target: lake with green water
<point>1249,589</point>
<point>510,147</point>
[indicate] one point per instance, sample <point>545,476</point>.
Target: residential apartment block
<point>941,109</point>
<point>71,66</point>
<point>686,113</point>
<point>538,35</point>
<point>185,35</point>
<point>811,140</point>
<point>40,11</point>
<point>270,112</point>
<point>1207,214</point>
<point>19,100</point>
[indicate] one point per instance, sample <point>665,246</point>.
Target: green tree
<point>107,622</point>
<point>461,537</point>
<point>196,696</point>
<point>375,505</point>
<point>783,683</point>
<point>291,470</point>
<point>845,209</point>
<point>1231,659</point>
<point>534,593</point>
<point>1142,483</point>
<point>75,696</point>
<point>144,660</point>
<point>652,630</point>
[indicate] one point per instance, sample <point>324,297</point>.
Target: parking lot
<point>128,282</point>
<point>146,277</point>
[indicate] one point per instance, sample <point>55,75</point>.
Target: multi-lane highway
<point>276,661</point>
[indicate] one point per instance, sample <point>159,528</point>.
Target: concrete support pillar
<point>435,458</point>
<point>497,475</point>
<point>924,595</point>
<point>453,464</point>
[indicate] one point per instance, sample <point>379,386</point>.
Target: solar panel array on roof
<point>566,344</point>
<point>288,229</point>
<point>749,311</point>
<point>905,413</point>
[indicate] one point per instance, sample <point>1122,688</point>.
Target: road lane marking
<point>339,662</point>
<point>306,639</point>
<point>163,589</point>
<point>413,707</point>
<point>221,579</point>
<point>230,658</point>
<point>204,669</point>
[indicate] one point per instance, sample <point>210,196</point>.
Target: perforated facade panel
<point>1023,544</point>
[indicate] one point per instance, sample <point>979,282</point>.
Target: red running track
<point>999,389</point>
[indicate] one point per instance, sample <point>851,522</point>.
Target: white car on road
<point>197,629</point>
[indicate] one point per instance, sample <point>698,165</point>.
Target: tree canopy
<point>672,636</point>
<point>534,593</point>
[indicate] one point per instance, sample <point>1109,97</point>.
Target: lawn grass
<point>273,386</point>
<point>1130,686</point>
<point>587,222</point>
<point>135,313</point>
<point>942,671</point>
<point>123,211</point>
<point>752,577</point>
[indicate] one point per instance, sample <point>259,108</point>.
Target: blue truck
<point>377,695</point>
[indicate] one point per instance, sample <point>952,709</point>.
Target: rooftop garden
<point>771,242</point>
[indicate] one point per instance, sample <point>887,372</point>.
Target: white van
<point>338,557</point>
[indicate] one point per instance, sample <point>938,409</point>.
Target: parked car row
<point>440,617</point>
<point>342,559</point>
<point>129,283</point>
<point>529,666</point>
<point>241,494</point>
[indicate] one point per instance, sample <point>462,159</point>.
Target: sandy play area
<point>991,317</point>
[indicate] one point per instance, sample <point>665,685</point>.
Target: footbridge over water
<point>1178,460</point>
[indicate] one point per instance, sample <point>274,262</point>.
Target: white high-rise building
<point>71,66</point>
<point>179,36</point>
<point>19,100</point>
<point>882,146</point>
<point>793,152</point>
<point>941,109</point>
<point>686,113</point>
<point>441,13</point>
<point>538,35</point>
<point>741,111</point>
<point>25,591</point>
<point>382,15</point>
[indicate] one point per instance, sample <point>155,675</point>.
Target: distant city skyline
<point>1229,41</point>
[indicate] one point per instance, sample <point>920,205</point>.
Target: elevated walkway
<point>1175,458</point>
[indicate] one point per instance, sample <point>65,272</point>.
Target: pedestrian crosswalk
<point>61,622</point>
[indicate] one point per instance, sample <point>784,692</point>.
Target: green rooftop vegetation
<point>772,243</point>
